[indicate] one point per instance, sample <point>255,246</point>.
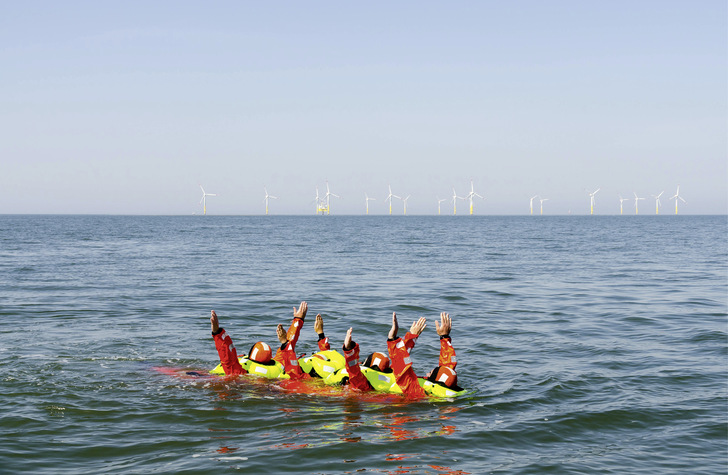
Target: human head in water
<point>446,376</point>
<point>260,353</point>
<point>379,362</point>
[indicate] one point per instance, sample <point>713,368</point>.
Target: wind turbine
<point>657,202</point>
<point>266,199</point>
<point>636,200</point>
<point>455,197</point>
<point>203,200</point>
<point>542,200</point>
<point>404,200</point>
<point>389,198</point>
<point>470,196</point>
<point>677,197</point>
<point>318,202</point>
<point>367,197</point>
<point>438,203</point>
<point>591,196</point>
<point>621,200</point>
<point>531,204</point>
<point>328,196</point>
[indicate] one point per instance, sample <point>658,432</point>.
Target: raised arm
<point>447,351</point>
<point>318,327</point>
<point>395,328</point>
<point>351,353</point>
<point>225,347</point>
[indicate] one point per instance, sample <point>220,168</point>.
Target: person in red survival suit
<point>286,354</point>
<point>260,352</point>
<point>399,354</point>
<point>356,379</point>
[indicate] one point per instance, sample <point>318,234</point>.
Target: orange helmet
<point>444,375</point>
<point>377,361</point>
<point>260,353</point>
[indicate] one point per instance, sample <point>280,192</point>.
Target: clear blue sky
<point>124,107</point>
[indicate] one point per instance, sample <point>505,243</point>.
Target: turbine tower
<point>531,204</point>
<point>266,199</point>
<point>677,197</point>
<point>389,198</point>
<point>367,198</point>
<point>621,200</point>
<point>591,196</point>
<point>404,200</point>
<point>542,200</point>
<point>471,195</point>
<point>438,203</point>
<point>319,207</point>
<point>636,200</point>
<point>455,197</point>
<point>657,202</point>
<point>203,200</point>
<point>327,197</point>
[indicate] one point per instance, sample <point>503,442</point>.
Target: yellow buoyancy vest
<point>324,363</point>
<point>269,371</point>
<point>438,390</point>
<point>381,382</point>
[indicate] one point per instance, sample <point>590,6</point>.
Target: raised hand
<point>318,324</point>
<point>347,340</point>
<point>281,334</point>
<point>395,327</point>
<point>443,329</point>
<point>214,322</point>
<point>418,326</point>
<point>301,311</point>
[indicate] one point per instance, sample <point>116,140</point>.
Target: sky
<point>127,107</point>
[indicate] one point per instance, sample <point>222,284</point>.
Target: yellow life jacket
<point>336,378</point>
<point>438,390</point>
<point>324,363</point>
<point>271,371</point>
<point>381,382</point>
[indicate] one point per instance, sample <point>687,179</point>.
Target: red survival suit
<point>356,379</point>
<point>227,352</point>
<point>399,356</point>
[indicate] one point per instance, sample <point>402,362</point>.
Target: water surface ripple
<point>591,344</point>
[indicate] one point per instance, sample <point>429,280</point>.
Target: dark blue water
<point>591,344</point>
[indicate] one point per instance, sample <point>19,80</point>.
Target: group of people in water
<point>398,362</point>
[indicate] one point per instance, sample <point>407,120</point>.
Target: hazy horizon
<point>124,109</point>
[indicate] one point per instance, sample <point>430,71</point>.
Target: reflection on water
<point>346,416</point>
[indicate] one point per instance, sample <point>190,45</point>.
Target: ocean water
<point>590,344</point>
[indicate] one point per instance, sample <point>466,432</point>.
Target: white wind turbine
<point>621,200</point>
<point>438,203</point>
<point>636,200</point>
<point>203,200</point>
<point>591,196</point>
<point>367,198</point>
<point>318,202</point>
<point>266,199</point>
<point>531,204</point>
<point>677,197</point>
<point>542,200</point>
<point>389,198</point>
<point>327,197</point>
<point>657,202</point>
<point>471,195</point>
<point>404,200</point>
<point>455,197</point>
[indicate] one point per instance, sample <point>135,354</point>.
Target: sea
<point>587,344</point>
